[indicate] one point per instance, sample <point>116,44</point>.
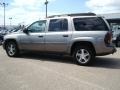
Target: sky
<point>28,11</point>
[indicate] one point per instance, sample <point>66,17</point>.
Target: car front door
<point>35,38</point>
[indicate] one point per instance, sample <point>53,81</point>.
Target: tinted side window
<point>58,25</point>
<point>93,23</point>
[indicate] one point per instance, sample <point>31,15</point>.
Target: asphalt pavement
<point>52,72</point>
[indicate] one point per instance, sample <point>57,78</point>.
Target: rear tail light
<point>108,38</point>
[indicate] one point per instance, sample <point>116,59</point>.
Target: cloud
<point>20,15</point>
<point>104,6</point>
<point>31,4</point>
<point>25,11</point>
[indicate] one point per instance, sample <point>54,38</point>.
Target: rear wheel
<point>12,49</point>
<point>83,55</point>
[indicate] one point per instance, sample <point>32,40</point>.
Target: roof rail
<point>74,14</point>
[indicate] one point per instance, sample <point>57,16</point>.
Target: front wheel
<point>83,55</point>
<point>12,49</point>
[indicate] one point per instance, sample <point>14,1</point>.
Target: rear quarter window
<point>90,24</point>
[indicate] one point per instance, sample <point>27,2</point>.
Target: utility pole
<point>46,3</point>
<point>4,6</point>
<point>10,21</point>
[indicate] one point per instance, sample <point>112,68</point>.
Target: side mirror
<point>25,30</point>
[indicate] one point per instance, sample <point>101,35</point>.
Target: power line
<point>4,6</point>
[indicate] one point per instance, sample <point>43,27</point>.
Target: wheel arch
<point>9,40</point>
<point>82,43</point>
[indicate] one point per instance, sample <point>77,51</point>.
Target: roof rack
<point>75,14</point>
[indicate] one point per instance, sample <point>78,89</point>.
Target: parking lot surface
<point>52,72</point>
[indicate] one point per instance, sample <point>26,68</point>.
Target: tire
<point>83,55</point>
<point>0,42</point>
<point>118,44</point>
<point>12,49</point>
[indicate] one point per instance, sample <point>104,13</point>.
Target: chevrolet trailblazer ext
<point>82,36</point>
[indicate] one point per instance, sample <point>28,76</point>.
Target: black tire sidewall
<point>16,51</point>
<point>92,55</point>
<point>118,44</point>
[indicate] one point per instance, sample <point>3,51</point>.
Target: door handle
<point>40,36</point>
<point>65,35</point>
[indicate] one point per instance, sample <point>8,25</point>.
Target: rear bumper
<point>111,49</point>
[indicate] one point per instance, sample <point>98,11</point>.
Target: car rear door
<point>58,35</point>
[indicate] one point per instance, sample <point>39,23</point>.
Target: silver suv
<point>82,36</point>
